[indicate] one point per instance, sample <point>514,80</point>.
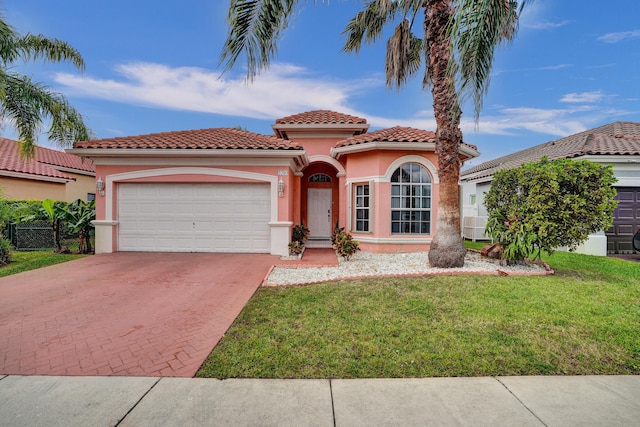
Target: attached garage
<point>194,217</point>
<point>626,221</point>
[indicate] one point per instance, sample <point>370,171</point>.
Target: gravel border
<point>367,264</point>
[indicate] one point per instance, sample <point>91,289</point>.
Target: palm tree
<point>458,44</point>
<point>25,103</point>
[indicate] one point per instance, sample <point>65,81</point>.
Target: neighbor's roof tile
<point>321,117</point>
<point>618,138</point>
<point>44,162</point>
<point>202,139</point>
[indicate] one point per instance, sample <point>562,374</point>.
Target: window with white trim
<point>411,200</point>
<point>362,207</point>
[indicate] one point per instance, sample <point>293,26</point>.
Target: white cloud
<point>543,68</point>
<point>288,89</point>
<point>283,90</point>
<point>557,122</point>
<point>546,25</point>
<point>534,16</point>
<point>619,36</point>
<point>583,97</point>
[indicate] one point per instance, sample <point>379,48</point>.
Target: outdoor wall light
<point>100,186</point>
<point>281,188</point>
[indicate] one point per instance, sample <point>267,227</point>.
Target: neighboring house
<point>50,174</point>
<point>228,190</point>
<point>616,144</point>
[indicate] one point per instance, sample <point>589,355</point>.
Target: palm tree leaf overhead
<point>367,25</point>
<point>25,103</point>
<point>404,55</point>
<point>37,46</point>
<point>255,27</point>
<point>484,25</point>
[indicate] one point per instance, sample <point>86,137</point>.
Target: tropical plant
<point>300,233</point>
<point>79,216</point>
<point>345,246</point>
<point>545,205</point>
<point>25,103</point>
<point>458,44</point>
<point>336,232</point>
<point>296,247</point>
<point>55,215</point>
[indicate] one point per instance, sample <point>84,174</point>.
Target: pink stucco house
<point>229,190</point>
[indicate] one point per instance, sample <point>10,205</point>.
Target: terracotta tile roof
<point>43,164</point>
<point>202,139</point>
<point>320,117</point>
<point>394,134</point>
<point>618,138</point>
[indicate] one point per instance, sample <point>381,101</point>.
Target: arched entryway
<point>320,200</point>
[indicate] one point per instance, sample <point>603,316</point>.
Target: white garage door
<point>163,217</point>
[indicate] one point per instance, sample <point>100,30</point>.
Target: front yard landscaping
<point>583,320</point>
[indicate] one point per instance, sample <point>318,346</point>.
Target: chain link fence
<point>36,235</point>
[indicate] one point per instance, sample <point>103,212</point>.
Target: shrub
<point>5,251</point>
<point>300,233</point>
<point>344,245</point>
<point>21,210</point>
<point>296,248</point>
<point>544,205</point>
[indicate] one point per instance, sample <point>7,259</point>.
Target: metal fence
<point>31,236</point>
<point>37,235</point>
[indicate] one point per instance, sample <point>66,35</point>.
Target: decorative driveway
<point>134,314</point>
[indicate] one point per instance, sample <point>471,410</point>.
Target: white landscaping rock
<point>364,264</point>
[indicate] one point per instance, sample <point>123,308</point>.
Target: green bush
<point>5,251</point>
<point>12,211</point>
<point>545,205</point>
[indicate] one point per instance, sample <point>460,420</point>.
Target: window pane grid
<point>361,207</point>
<point>411,200</point>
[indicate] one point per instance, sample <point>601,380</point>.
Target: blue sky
<point>152,66</point>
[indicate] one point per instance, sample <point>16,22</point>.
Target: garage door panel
<point>194,217</point>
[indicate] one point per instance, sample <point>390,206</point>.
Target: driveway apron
<point>134,314</point>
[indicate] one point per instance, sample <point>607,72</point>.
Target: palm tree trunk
<point>447,248</point>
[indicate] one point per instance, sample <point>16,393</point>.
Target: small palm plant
<point>79,216</point>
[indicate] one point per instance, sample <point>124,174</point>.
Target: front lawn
<point>23,261</point>
<point>583,320</point>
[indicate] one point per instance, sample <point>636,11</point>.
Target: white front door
<point>319,213</point>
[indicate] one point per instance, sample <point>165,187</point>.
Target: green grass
<point>24,261</point>
<point>583,320</point>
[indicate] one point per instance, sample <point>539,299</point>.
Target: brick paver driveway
<point>142,314</point>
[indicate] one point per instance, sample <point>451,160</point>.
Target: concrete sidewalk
<point>148,401</point>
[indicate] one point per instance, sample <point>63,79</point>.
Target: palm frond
<point>254,30</point>
<point>404,55</point>
<point>37,46</point>
<point>367,25</point>
<point>477,28</point>
<point>8,37</point>
<point>27,104</point>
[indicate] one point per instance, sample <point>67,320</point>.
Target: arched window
<point>320,177</point>
<point>411,200</point>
